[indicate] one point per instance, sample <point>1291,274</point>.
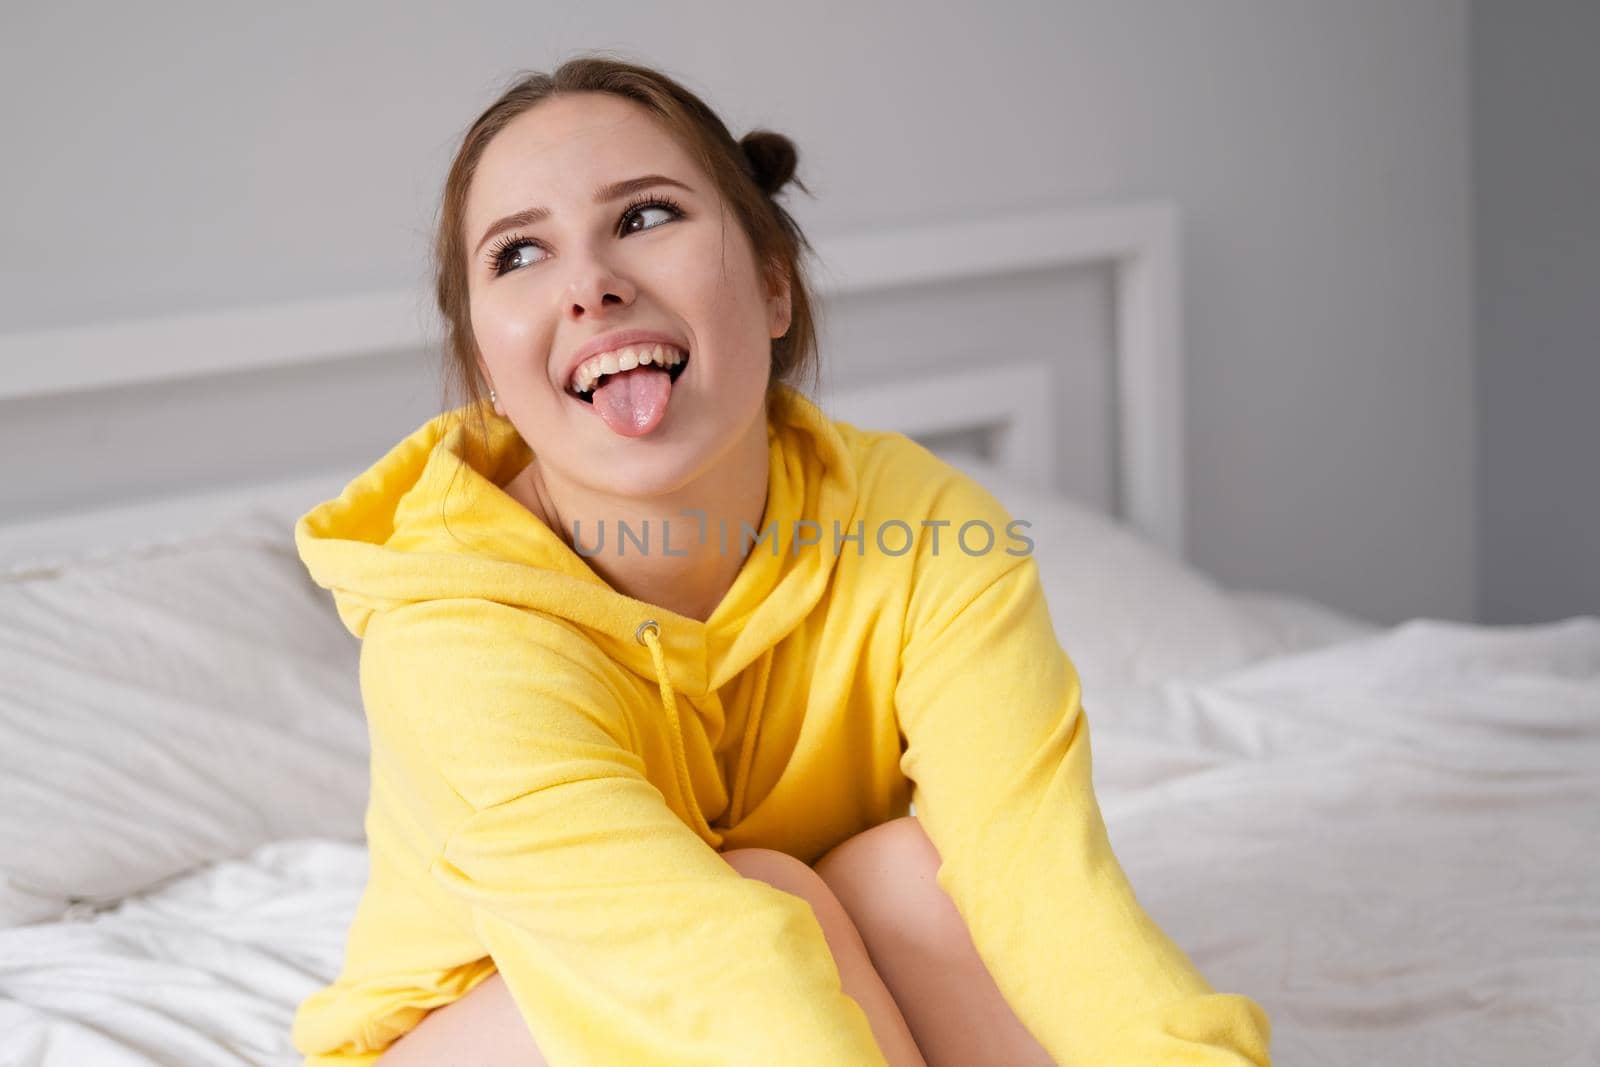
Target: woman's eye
<point>640,212</point>
<point>507,257</point>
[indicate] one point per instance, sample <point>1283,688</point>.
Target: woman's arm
<point>998,750</point>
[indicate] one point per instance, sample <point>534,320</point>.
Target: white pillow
<point>1127,613</point>
<point>165,706</point>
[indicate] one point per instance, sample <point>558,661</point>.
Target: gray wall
<point>167,158</point>
<point>1536,147</point>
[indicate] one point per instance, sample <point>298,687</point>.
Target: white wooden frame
<point>1139,242</point>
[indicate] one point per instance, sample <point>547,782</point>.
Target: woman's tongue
<point>632,401</point>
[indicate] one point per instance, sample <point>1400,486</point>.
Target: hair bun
<point>772,158</point>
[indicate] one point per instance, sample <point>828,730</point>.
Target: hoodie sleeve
<point>998,750</point>
<point>622,936</point>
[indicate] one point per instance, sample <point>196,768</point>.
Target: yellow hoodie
<point>553,776</point>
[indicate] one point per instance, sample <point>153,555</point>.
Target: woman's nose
<point>594,284</point>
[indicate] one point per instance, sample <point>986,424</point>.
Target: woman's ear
<point>483,369</point>
<point>779,308</point>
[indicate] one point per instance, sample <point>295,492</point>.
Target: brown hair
<point>748,173</point>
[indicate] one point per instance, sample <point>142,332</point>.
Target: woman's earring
<point>491,396</point>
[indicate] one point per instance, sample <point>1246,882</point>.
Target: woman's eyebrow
<point>614,191</point>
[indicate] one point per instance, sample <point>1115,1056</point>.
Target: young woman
<point>646,636</point>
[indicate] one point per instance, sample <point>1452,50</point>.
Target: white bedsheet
<point>1392,842</point>
<point>206,970</point>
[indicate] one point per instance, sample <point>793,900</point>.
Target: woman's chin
<point>642,474</point>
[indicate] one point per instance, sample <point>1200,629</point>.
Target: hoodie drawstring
<point>649,635</point>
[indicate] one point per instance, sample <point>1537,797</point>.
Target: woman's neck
<point>684,565</point>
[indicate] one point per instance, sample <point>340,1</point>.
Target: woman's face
<point>539,291</point>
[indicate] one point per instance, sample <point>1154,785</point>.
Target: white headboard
<point>83,372</point>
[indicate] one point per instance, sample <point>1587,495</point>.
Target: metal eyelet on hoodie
<point>638,635</point>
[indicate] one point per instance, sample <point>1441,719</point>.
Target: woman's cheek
<point>692,270</point>
<point>509,332</point>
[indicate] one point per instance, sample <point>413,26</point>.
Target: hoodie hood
<point>429,520</point>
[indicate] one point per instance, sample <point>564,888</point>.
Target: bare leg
<point>861,982</point>
<point>920,946</point>
<point>485,1028</point>
<point>482,1029</point>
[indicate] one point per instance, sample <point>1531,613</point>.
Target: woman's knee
<point>886,879</point>
<point>793,876</point>
<point>850,952</point>
<point>773,867</point>
<point>857,974</point>
<point>899,846</point>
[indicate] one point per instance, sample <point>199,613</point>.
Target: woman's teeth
<point>626,358</point>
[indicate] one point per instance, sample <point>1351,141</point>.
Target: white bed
<point>1388,836</point>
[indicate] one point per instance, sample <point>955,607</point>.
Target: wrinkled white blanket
<point>1392,842</point>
